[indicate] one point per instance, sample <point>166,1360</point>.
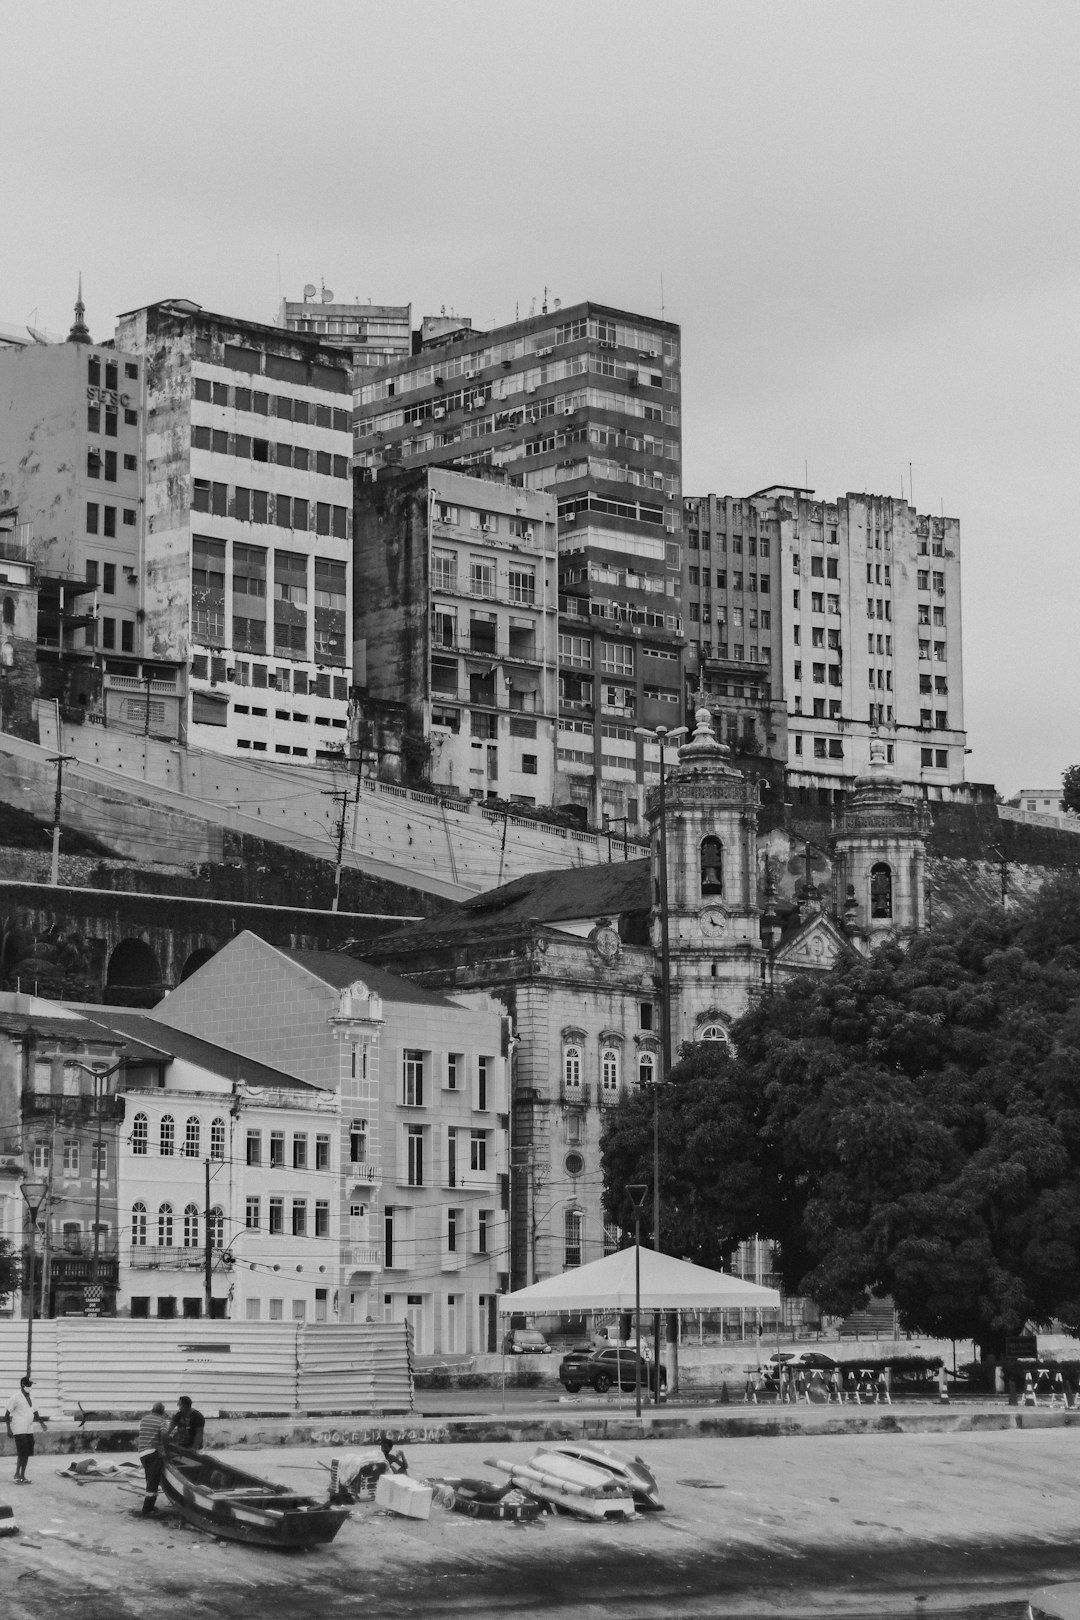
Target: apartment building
<point>420,1084</point>
<point>371,335</point>
<point>71,469</point>
<point>245,578</point>
<point>584,403</point>
<point>456,629</point>
<point>850,617</point>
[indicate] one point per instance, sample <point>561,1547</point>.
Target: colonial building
<point>577,960</point>
<point>419,1083</point>
<point>456,630</point>
<point>584,403</point>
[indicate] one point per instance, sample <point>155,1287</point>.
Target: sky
<point>864,217</point>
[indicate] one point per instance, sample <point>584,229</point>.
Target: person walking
<point>153,1426</point>
<point>187,1425</point>
<point>20,1417</point>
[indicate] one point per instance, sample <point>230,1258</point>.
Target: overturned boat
<point>214,1496</point>
<point>577,1487</point>
<point>632,1472</point>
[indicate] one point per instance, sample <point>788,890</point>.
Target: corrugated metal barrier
<point>121,1365</point>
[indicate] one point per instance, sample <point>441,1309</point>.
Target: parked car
<point>808,1359</point>
<point>602,1368</point>
<point>527,1342</point>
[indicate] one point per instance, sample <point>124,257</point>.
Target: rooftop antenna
<point>327,294</point>
<point>309,291</point>
<point>910,485</point>
<point>661,295</point>
<point>279,278</point>
<point>543,309</point>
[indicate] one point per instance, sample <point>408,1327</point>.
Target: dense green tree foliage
<point>9,1270</point>
<point>1070,788</point>
<point>908,1125</point>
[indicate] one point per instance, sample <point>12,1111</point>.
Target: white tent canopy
<point>666,1285</point>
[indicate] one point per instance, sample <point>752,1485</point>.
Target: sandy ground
<point>846,1525</point>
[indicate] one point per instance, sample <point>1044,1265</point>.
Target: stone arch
<point>134,974</point>
<point>881,891</point>
<point>196,960</point>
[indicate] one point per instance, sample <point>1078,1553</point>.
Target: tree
<point>908,1125</point>
<point>1070,788</point>
<point>10,1275</point>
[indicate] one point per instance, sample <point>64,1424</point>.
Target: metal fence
<point>123,1366</point>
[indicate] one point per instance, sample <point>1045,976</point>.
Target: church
<point>606,972</point>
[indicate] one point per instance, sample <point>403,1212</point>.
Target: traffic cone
<point>1029,1390</point>
<point>942,1387</point>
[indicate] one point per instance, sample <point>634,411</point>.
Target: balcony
<point>575,1096</point>
<point>369,1174</point>
<point>76,1108</point>
<point>363,1256</point>
<point>164,1257</point>
<point>68,1267</point>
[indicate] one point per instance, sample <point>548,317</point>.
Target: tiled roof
<point>339,970</point>
<point>161,1040</point>
<point>574,892</point>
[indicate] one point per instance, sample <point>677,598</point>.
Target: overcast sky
<point>864,216</point>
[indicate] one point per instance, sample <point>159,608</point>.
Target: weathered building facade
<point>456,630</point>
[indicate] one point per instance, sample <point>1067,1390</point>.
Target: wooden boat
<point>213,1495</point>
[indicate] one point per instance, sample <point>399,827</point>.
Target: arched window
<point>713,1032</point>
<point>712,866</point>
<point>140,1134</point>
<point>217,1227</point>
<point>191,1138</point>
<point>646,1069</point>
<point>572,1068</point>
<point>138,1224</point>
<point>167,1136</point>
<point>164,1226</point>
<point>191,1226</point>
<point>217,1139</point>
<point>881,890</point>
<point>609,1070</point>
<point>573,1224</point>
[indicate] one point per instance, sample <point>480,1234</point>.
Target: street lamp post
<point>100,1077</point>
<point>637,1198</point>
<point>35,1190</point>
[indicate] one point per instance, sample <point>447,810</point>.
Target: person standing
<point>153,1426</point>
<point>20,1417</point>
<point>187,1425</point>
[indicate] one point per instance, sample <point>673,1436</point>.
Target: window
<point>191,1138</point>
<point>99,1159</point>
<point>276,1222</point>
<point>483,1228</point>
<point>609,1071</point>
<point>478,1150</point>
<point>299,1150</point>
<point>299,1217</point>
<point>252,1214</point>
<point>646,1013</point>
<point>254,1147</point>
<point>927,757</point>
<point>217,1139</point>
<point>413,1078</point>
<point>165,1226</point>
<point>572,1068</point>
<point>483,1072</point>
<point>322,1153</point>
<point>881,905</point>
<point>277,1150</point>
<point>140,1134</point>
<point>819,748</point>
<point>414,1155</point>
<point>358,1141</point>
<point>455,1070</point>
<point>454,1221</point>
<point>322,1217</point>
<point>712,866</point>
<point>71,1157</point>
<point>167,1136</point>
<point>191,1226</point>
<point>138,1224</point>
<point>572,1230</point>
<point>646,1069</point>
<point>482,576</point>
<point>942,759</point>
<point>616,659</point>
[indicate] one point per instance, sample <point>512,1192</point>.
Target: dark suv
<point>603,1368</point>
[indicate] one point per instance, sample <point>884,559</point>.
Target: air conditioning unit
<point>545,352</point>
<point>471,375</point>
<point>568,410</point>
<point>439,412</point>
<point>527,534</point>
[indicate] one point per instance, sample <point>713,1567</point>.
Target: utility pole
<point>343,796</point>
<point>502,850</point>
<point>59,761</point>
<point>208,1251</point>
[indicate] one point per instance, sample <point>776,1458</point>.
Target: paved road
<point>848,1525</point>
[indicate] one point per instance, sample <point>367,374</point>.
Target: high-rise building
<point>371,334</point>
<point>815,624</point>
<point>583,403</point>
<point>247,556</point>
<point>456,630</point>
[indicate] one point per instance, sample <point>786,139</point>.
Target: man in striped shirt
<point>152,1427</point>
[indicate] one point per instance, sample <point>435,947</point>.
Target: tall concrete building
<point>456,630</point>
<point>814,625</point>
<point>371,335</point>
<point>245,577</point>
<point>584,403</point>
<point>71,480</point>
